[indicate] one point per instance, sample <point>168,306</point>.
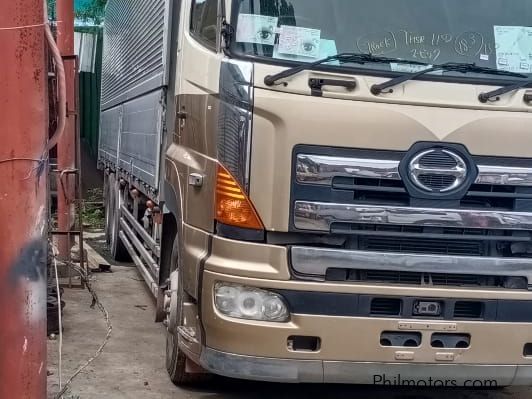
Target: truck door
<point>194,142</point>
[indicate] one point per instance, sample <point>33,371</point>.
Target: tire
<point>112,221</point>
<point>176,360</point>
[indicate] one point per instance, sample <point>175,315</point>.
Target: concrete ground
<point>132,364</point>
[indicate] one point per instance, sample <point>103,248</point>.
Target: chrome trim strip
<point>319,216</point>
<point>316,261</point>
<point>321,169</point>
<point>504,175</point>
<point>345,372</point>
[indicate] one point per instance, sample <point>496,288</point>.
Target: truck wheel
<point>112,221</point>
<point>176,360</point>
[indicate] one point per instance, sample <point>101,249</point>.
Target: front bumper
<point>356,338</point>
<point>342,372</point>
<point>350,350</point>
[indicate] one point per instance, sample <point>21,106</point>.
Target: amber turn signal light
<point>233,206</point>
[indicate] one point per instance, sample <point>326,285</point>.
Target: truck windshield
<point>489,33</point>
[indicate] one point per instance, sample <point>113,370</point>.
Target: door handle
<point>316,85</point>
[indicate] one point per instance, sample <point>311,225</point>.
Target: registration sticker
<point>514,48</point>
<point>259,29</point>
<point>303,42</point>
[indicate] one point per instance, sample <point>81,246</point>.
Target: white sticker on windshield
<point>303,42</point>
<point>514,48</point>
<point>327,49</point>
<point>258,29</point>
<point>408,68</point>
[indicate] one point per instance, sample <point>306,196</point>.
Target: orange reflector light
<point>233,206</point>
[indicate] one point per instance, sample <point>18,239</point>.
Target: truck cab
<point>332,191</point>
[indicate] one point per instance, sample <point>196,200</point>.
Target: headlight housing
<point>249,303</point>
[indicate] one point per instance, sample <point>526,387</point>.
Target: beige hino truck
<point>326,191</point>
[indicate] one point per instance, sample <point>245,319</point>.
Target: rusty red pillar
<point>23,200</point>
<point>66,147</point>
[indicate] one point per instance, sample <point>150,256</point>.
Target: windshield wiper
<point>342,58</point>
<point>447,67</point>
<point>494,94</point>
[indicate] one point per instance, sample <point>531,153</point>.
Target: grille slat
<point>385,307</point>
<point>438,159</point>
<point>437,182</point>
<point>468,310</point>
<point>422,246</point>
<point>426,279</point>
<point>393,192</point>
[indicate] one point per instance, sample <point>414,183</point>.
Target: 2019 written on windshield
<point>428,47</point>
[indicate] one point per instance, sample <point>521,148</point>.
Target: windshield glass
<point>490,33</point>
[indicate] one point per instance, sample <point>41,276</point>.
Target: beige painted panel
<point>248,259</point>
<point>357,339</point>
<point>195,248</point>
<point>194,145</point>
<point>284,120</point>
<point>428,93</point>
<point>197,202</point>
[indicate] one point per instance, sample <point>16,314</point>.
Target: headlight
<point>249,303</point>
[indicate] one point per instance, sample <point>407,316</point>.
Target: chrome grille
<point>359,194</point>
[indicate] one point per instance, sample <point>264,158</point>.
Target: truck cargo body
<point>349,220</point>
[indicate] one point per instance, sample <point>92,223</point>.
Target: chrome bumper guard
<point>325,371</point>
<point>316,261</point>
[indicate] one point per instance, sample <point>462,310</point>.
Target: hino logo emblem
<point>438,170</point>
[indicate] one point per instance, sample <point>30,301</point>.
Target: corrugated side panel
<point>134,57</point>
<point>140,136</point>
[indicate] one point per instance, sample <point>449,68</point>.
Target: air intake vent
<point>416,278</point>
<point>386,307</point>
<point>422,246</point>
<point>438,159</point>
<point>385,276</point>
<point>468,310</point>
<point>465,280</point>
<point>437,182</point>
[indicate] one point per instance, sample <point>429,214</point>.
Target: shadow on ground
<point>230,389</point>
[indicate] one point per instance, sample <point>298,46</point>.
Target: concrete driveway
<point>132,364</point>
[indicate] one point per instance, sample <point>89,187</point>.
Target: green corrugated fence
<point>89,45</point>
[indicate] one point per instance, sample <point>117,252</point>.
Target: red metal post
<point>66,148</point>
<point>23,200</point>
